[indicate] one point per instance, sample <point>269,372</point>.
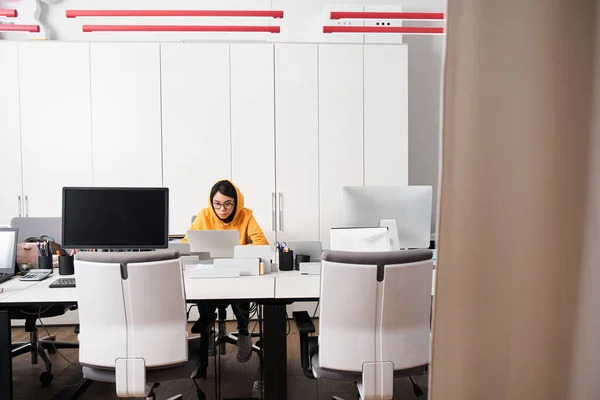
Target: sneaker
<point>244,348</point>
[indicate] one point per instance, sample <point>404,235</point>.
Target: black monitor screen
<point>115,218</point>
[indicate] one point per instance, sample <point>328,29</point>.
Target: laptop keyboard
<point>5,277</point>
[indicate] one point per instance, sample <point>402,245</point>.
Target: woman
<point>226,211</point>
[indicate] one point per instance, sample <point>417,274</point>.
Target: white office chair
<point>133,325</point>
<point>374,321</point>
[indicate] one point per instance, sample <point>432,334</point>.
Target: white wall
<point>302,22</point>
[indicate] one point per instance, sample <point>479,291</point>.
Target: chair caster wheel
<point>201,395</point>
<point>46,378</point>
<point>417,391</point>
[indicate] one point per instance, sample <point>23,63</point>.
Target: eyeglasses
<point>226,206</point>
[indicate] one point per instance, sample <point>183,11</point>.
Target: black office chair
<point>36,346</point>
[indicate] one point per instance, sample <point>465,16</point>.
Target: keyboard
<point>5,277</point>
<point>63,282</point>
<point>36,275</point>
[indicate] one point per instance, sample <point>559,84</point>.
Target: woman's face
<point>223,205</point>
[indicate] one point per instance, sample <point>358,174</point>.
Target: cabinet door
<point>386,115</point>
<point>126,126</point>
<point>11,200</point>
<point>54,80</point>
<point>297,139</point>
<point>195,117</point>
<point>340,128</point>
<point>252,130</point>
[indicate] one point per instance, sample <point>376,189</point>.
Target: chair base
<point>38,347</point>
<point>200,394</point>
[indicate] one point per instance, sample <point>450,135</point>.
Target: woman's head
<point>223,197</point>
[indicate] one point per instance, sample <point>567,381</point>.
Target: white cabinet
<point>54,80</point>
<point>340,129</point>
<point>252,130</point>
<point>386,114</point>
<point>126,115</point>
<point>11,200</point>
<point>297,139</point>
<point>195,122</point>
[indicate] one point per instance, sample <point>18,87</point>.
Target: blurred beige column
<point>517,308</point>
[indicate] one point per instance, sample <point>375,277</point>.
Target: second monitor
<point>405,210</point>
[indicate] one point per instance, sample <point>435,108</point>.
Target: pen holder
<point>286,260</point>
<point>45,262</point>
<point>301,258</point>
<point>65,265</point>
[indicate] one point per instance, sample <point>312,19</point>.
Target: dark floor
<point>237,379</point>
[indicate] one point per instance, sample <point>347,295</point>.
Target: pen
<point>37,245</point>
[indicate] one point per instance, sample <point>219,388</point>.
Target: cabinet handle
<point>280,212</point>
<point>20,205</point>
<point>26,206</point>
<point>273,212</point>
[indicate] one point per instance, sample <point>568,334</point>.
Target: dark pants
<point>207,311</point>
<point>240,310</point>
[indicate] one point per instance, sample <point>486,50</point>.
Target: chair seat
<point>34,312</point>
<point>355,376</point>
<point>186,370</point>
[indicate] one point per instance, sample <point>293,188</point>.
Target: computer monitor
<point>115,218</point>
<point>406,210</point>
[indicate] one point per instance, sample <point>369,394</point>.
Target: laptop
<point>220,244</point>
<point>8,252</point>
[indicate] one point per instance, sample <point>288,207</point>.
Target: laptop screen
<point>8,250</point>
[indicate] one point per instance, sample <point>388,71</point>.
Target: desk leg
<point>275,352</point>
<point>6,386</point>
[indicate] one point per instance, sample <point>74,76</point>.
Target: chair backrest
<point>375,307</point>
<point>131,306</point>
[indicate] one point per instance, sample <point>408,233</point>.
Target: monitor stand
<point>394,240</point>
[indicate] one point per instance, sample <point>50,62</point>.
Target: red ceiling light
<point>4,12</point>
<point>180,28</point>
<point>386,15</point>
<point>174,13</point>
<point>19,28</point>
<point>383,29</point>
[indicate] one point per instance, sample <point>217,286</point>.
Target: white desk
<point>293,285</point>
<point>12,287</point>
<point>40,292</point>
<point>247,287</point>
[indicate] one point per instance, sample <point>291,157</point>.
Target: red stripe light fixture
<point>4,12</point>
<point>178,13</point>
<point>384,29</point>
<point>423,16</point>
<point>19,28</point>
<point>174,13</point>
<point>180,28</point>
<point>414,16</point>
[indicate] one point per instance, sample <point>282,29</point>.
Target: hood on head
<point>239,204</point>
